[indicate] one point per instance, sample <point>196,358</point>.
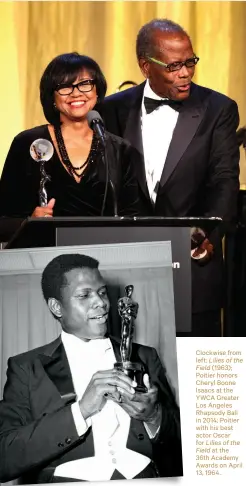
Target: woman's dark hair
<point>65,69</point>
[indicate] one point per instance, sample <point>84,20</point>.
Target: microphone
<point>96,123</point>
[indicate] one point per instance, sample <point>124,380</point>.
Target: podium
<point>8,227</point>
<point>74,231</point>
<point>61,231</point>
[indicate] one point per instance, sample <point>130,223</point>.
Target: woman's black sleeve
<point>19,182</point>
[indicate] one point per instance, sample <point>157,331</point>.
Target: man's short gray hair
<point>144,44</point>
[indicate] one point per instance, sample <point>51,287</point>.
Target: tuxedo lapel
<point>189,119</point>
<point>55,363</point>
<point>132,131</point>
<point>133,134</point>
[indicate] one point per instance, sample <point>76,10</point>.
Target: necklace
<point>64,155</point>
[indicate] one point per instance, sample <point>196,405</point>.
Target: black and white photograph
<point>88,377</point>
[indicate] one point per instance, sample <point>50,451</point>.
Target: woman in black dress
<point>70,87</point>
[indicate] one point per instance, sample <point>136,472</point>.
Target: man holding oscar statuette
<point>87,406</point>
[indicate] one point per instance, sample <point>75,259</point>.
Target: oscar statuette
<point>128,310</point>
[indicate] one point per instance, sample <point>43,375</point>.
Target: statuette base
<point>135,371</point>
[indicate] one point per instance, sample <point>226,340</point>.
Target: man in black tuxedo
<point>187,157</point>
<point>67,414</point>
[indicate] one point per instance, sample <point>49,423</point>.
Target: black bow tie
<point>151,104</point>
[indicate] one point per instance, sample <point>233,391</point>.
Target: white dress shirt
<point>110,426</point>
<point>157,131</point>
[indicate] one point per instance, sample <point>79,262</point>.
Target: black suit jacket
<point>201,171</point>
<point>37,430</point>
<point>20,180</point>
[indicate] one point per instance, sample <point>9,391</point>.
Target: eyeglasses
<point>176,66</point>
<point>83,86</point>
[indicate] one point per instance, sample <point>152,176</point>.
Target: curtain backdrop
<point>32,33</point>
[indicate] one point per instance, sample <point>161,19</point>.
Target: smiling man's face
<point>169,47</point>
<point>84,305</point>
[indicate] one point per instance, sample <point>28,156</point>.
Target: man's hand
<point>142,406</point>
<point>44,211</point>
<point>103,385</point>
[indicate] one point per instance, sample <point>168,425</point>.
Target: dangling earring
<point>54,105</point>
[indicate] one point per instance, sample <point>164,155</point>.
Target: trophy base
<point>135,371</point>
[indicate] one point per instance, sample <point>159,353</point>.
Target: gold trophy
<point>128,310</point>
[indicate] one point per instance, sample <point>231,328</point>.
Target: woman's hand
<point>44,211</point>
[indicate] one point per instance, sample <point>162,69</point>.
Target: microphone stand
<point>114,198</point>
<point>107,182</point>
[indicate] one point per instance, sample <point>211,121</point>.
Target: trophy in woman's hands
<point>128,310</point>
<point>41,151</point>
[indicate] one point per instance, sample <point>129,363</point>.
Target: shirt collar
<point>149,93</point>
<point>93,346</point>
